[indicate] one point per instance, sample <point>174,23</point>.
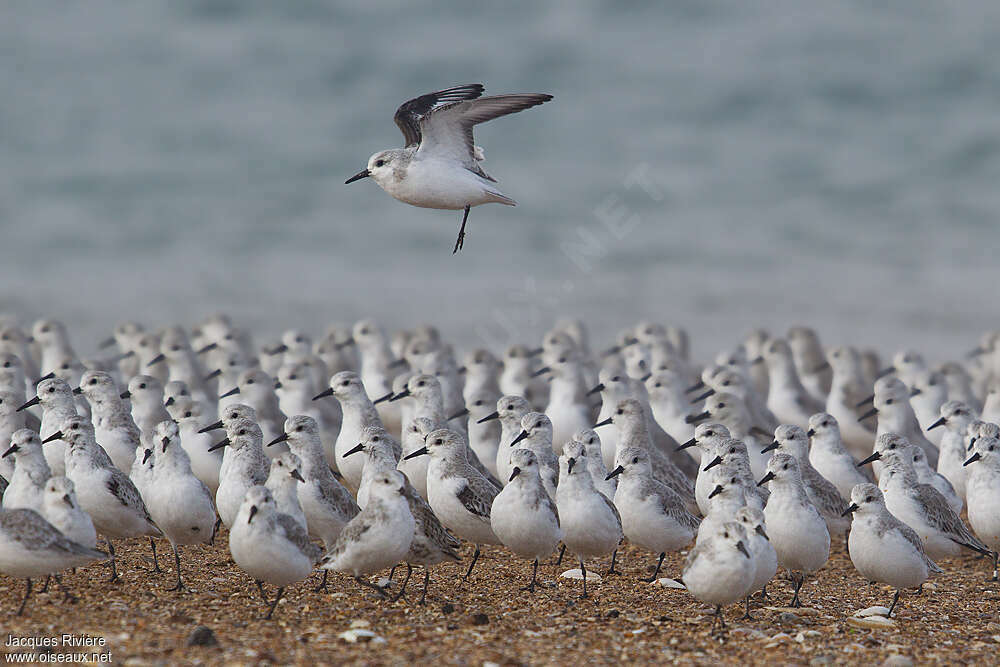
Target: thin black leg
<point>179,586</point>
<point>45,586</point>
<point>996,563</point>
<point>583,570</point>
<point>614,559</point>
<point>378,589</point>
<point>114,569</point>
<point>475,557</point>
<point>281,591</point>
<point>796,602</point>
<point>656,574</point>
<point>427,581</point>
<point>461,231</point>
<point>764,597</point>
<point>322,584</point>
<point>402,589</point>
<point>27,594</point>
<point>67,596</point>
<point>156,563</point>
<point>534,573</point>
<point>747,615</point>
<point>718,623</point>
<point>562,552</point>
<point>895,599</point>
<point>260,589</point>
<point>392,572</point>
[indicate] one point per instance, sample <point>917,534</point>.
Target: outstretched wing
<point>409,113</point>
<point>446,132</point>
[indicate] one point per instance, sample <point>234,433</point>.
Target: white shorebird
<point>510,410</point>
<point>590,521</point>
<point>432,543</point>
<point>518,376</point>
<point>765,558</point>
<point>720,570</point>
<point>245,467</point>
<point>11,421</point>
<point>892,405</point>
<point>146,394</point>
<point>439,166</point>
<point>955,417</point>
<point>415,468</point>
<point>536,435</point>
<point>56,398</point>
<point>459,494</point>
<point>595,461</point>
<point>810,361</point>
<point>523,514</point>
<point>205,465</point>
<point>283,479</point>
<point>62,510</point>
<point>883,548</point>
<point>358,412</point>
<point>27,485</point>
<point>797,530</point>
<point>847,391</point>
<point>732,459</point>
<point>829,456</point>
<point>892,442</point>
<point>30,547</point>
<point>653,516</point>
<point>270,546</point>
<point>706,438</point>
<point>983,490</point>
<point>381,455</point>
<point>114,427</point>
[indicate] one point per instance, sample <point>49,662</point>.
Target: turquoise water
<point>719,165</point>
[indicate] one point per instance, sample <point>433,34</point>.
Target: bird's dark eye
<point>869,499</point>
<point>51,389</point>
<point>438,441</point>
<point>889,401</point>
<point>293,377</point>
<point>142,386</point>
<point>722,405</point>
<point>45,329</point>
<point>726,383</point>
<point>375,439</point>
<point>420,384</point>
<point>379,163</point>
<point>176,348</point>
<point>364,331</point>
<point>733,480</point>
<point>250,381</point>
<point>726,535</point>
<point>298,429</point>
<point>241,432</point>
<point>616,379</point>
<point>538,425</point>
<point>93,381</point>
<point>478,403</point>
<point>345,383</point>
<point>187,414</point>
<point>657,384</point>
<point>562,360</point>
<point>65,366</point>
<point>280,464</point>
<point>635,459</point>
<point>620,411</point>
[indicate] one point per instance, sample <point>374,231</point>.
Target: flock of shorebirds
<point>391,450</point>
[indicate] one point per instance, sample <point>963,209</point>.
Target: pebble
<point>871,622</point>
<point>898,660</point>
<point>359,635</point>
<point>360,623</point>
<point>480,619</point>
<point>577,574</point>
<point>666,582</point>
<point>820,660</point>
<point>787,618</point>
<point>202,636</point>
<point>872,611</point>
<point>798,611</point>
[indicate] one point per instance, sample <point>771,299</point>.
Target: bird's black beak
<point>381,399</point>
<point>570,462</point>
<point>77,390</point>
<point>773,445</point>
<point>157,359</point>
<point>280,438</point>
<point>354,450</point>
<point>396,363</point>
<point>757,360</point>
<point>870,413</point>
<point>214,374</point>
<point>364,173</point>
<point>459,414</point>
<point>47,376</point>
<point>614,349</point>
<point>972,459</point>
<point>253,510</point>
<point>344,343</point>
<point>402,394</point>
<point>596,390</point>
<point>940,422</point>
<point>207,348</point>
<point>874,457</point>
<point>10,450</point>
<point>146,454</point>
<point>614,473</point>
<point>766,478</point>
<point>822,367</point>
<point>535,352</point>
<point>853,507</point>
<point>520,436</point>
<point>462,370</point>
<point>701,397</point>
<point>716,491</point>
<point>698,418</point>
<point>695,387</point>
<point>55,436</point>
<point>686,445</point>
<point>413,455</point>
<point>541,371</point>
<point>916,391</point>
<point>885,371</point>
<point>68,500</point>
<point>811,432</point>
<point>603,423</point>
<point>211,427</point>
<point>489,417</point>
<point>763,533</point>
<point>866,401</point>
<point>219,445</point>
<point>164,441</point>
<point>34,401</point>
<point>231,392</point>
<point>297,475</point>
<point>106,343</point>
<point>514,473</point>
<point>324,394</point>
<point>743,548</point>
<point>711,464</point>
<point>125,394</point>
<point>167,403</point>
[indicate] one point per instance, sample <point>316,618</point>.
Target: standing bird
<point>439,166</point>
<point>720,570</point>
<point>984,494</point>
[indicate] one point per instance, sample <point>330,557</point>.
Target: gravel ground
<point>489,619</point>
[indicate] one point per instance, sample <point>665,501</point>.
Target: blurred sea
<point>719,165</point>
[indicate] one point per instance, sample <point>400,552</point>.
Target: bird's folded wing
<point>477,498</point>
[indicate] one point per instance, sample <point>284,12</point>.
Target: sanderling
<point>905,365</point>
<point>30,547</point>
<point>381,455</point>
<point>245,467</point>
<point>795,527</point>
<point>923,508</point>
<point>206,465</point>
<point>104,491</point>
<point>720,570</point>
<point>270,546</point>
<point>180,504</point>
<point>706,438</point>
<point>484,437</point>
<point>459,494</point>
<point>983,487</point>
<point>590,521</point>
<point>732,412</point>
<point>379,536</point>
<point>415,468</point>
<point>56,398</point>
<point>62,510</point>
<point>510,410</point>
<point>927,394</point>
<point>958,384</point>
<point>482,374</point>
<point>892,405</point>
<point>145,392</point>
<point>883,548</point>
<point>358,413</point>
<point>11,421</point>
<point>889,442</point>
<point>754,344</point>
<point>595,461</point>
<point>53,343</point>
<point>810,361</point>
<point>568,407</point>
<point>26,487</point>
<point>297,393</point>
<point>283,479</point>
<point>256,389</point>
<point>377,367</point>
<point>439,166</point>
<point>653,516</point>
<point>847,391</point>
<point>830,458</point>
<point>114,427</point>
<point>790,402</point>
<point>536,435</point>
<point>955,417</point>
<point>182,362</point>
<point>765,558</point>
<point>524,515</point>
<point>518,376</point>
<point>432,543</point>
<point>731,457</point>
<point>824,496</point>
<point>670,405</point>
